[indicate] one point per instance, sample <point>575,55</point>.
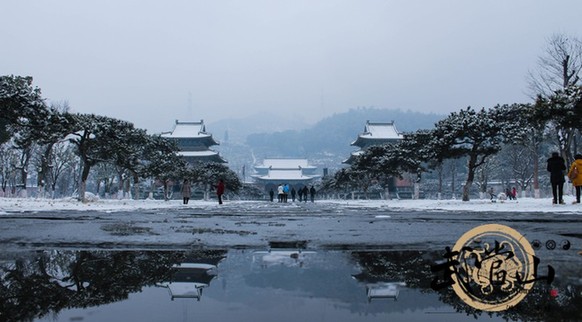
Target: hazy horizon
<point>152,62</point>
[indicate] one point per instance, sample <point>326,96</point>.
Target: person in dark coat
<point>271,194</point>
<point>556,167</point>
<point>220,190</point>
<point>312,193</point>
<point>305,193</point>
<point>293,193</point>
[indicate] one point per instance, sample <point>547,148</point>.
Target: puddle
<point>288,282</point>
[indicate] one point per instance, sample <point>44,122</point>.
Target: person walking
<point>220,191</point>
<point>186,191</point>
<point>556,166</point>
<point>271,194</point>
<point>300,193</point>
<point>312,193</point>
<point>575,175</point>
<point>293,193</point>
<point>305,193</point>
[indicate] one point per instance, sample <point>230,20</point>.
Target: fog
<point>151,62</point>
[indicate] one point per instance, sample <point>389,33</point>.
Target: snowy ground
<point>526,205</point>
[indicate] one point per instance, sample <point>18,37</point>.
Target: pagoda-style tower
<point>194,142</point>
<point>374,134</point>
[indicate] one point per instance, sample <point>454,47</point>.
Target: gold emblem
<point>496,267</point>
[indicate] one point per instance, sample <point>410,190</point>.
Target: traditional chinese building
<point>295,172</point>
<point>374,134</point>
<point>194,142</point>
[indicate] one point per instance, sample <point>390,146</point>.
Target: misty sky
<point>151,62</point>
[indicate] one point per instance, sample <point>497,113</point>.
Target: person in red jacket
<point>220,190</point>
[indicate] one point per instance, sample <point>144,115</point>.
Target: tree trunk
<point>83,181</point>
<point>470,177</point>
<point>44,169</point>
<point>536,174</point>
<point>135,186</point>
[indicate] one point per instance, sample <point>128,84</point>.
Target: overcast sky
<point>151,62</point>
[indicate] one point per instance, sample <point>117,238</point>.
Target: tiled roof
<point>187,130</point>
<point>285,164</point>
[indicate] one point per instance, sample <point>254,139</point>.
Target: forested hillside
<point>333,135</point>
<point>325,144</point>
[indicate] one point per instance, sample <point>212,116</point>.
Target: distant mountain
<point>332,136</point>
<point>237,130</point>
<point>245,142</point>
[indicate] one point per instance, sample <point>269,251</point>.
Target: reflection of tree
<point>413,267</point>
<point>51,281</point>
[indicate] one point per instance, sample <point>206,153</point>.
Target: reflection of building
<point>383,290</point>
<point>189,278</point>
<point>194,142</point>
<point>374,134</point>
<point>295,172</point>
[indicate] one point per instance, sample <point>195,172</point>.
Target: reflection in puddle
<point>192,275</point>
<point>279,284</point>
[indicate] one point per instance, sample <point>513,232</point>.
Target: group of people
<point>511,193</point>
<point>187,191</point>
<point>283,192</point>
<point>556,166</point>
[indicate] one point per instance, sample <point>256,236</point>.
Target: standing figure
<point>186,191</point>
<point>514,193</point>
<point>220,190</point>
<point>508,193</point>
<point>312,193</point>
<point>285,192</point>
<point>575,174</point>
<point>271,194</point>
<point>280,193</point>
<point>300,194</point>
<point>305,193</point>
<point>556,167</point>
<point>293,193</point>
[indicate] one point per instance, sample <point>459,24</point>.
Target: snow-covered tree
<point>20,103</point>
<point>474,134</point>
<point>62,168</point>
<point>562,114</point>
<point>97,140</point>
<point>25,116</point>
<point>161,162</point>
<point>207,174</point>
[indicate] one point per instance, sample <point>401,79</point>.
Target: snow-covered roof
<point>206,153</point>
<point>381,130</point>
<point>286,175</point>
<point>188,130</point>
<point>285,164</point>
<point>378,131</point>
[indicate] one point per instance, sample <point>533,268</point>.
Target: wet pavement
<point>282,262</point>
